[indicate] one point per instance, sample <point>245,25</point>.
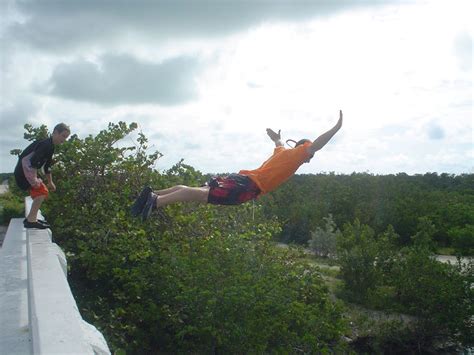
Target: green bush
<point>438,294</point>
<point>11,206</point>
<point>323,241</point>
<point>409,280</point>
<point>376,200</point>
<point>193,279</point>
<point>356,254</point>
<point>463,239</point>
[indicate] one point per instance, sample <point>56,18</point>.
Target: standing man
<point>244,186</point>
<point>37,155</point>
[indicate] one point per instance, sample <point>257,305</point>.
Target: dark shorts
<point>232,190</point>
<point>22,183</point>
<point>20,178</point>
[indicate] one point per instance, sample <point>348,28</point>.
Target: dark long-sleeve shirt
<point>40,154</point>
<point>43,151</point>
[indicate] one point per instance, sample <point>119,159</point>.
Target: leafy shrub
<point>463,239</point>
<point>192,279</point>
<point>438,294</point>
<point>356,254</point>
<point>11,206</point>
<point>375,200</point>
<point>409,280</point>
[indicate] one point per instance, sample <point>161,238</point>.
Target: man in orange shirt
<point>244,186</point>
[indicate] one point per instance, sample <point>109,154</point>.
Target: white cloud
<point>463,50</point>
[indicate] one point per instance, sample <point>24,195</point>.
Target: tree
<point>463,239</point>
<point>195,279</point>
<point>378,272</point>
<point>423,238</point>
<point>377,201</point>
<point>356,254</point>
<point>323,241</point>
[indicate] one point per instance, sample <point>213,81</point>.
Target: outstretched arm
<point>325,137</point>
<point>275,137</point>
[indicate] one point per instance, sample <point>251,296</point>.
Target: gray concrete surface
<point>3,231</point>
<point>14,324</point>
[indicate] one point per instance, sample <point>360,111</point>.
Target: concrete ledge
<point>55,322</point>
<point>14,322</point>
<point>54,317</point>
<point>38,313</point>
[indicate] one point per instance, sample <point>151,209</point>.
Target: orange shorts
<point>40,190</point>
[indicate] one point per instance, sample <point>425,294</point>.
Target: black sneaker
<point>34,225</point>
<point>42,221</point>
<point>150,205</point>
<point>140,201</point>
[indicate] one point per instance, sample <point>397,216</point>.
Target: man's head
<point>300,142</point>
<point>303,141</point>
<point>60,133</point>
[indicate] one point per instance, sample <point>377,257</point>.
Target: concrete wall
<point>14,321</point>
<point>38,313</point>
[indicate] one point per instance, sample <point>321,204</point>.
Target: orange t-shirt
<point>279,167</point>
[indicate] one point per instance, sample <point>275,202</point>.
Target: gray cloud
<point>12,119</point>
<point>123,79</point>
<point>14,116</point>
<point>64,24</point>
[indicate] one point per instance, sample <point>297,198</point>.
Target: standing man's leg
<point>38,194</point>
<point>35,206</point>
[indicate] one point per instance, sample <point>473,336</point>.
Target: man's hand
<point>274,136</point>
<point>51,186</point>
<point>50,183</point>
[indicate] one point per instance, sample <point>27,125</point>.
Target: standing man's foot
<point>140,201</point>
<point>41,221</point>
<point>150,205</point>
<point>34,225</point>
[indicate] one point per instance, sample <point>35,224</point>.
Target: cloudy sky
<point>204,78</point>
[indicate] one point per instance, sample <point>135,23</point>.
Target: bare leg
<point>169,190</point>
<point>183,193</point>
<point>35,206</point>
